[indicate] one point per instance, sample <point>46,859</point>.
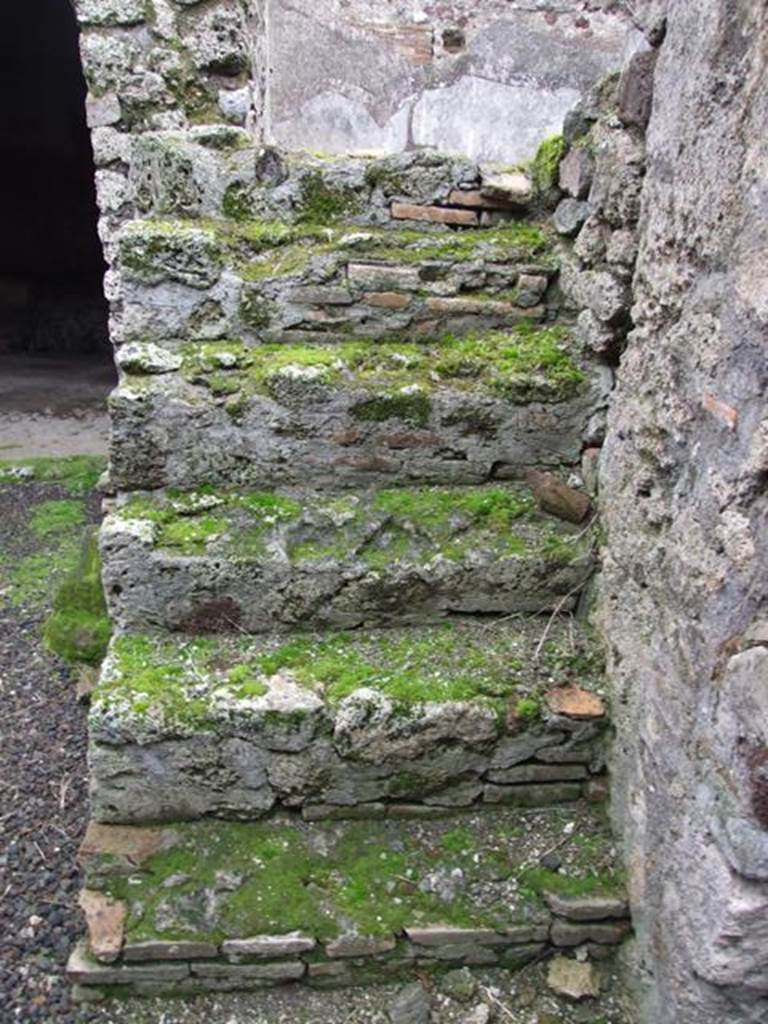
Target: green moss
<point>323,203</point>
<point>582,882</point>
<point>359,878</point>
<point>442,664</point>
<point>526,363</point>
<point>527,708</point>
<point>546,163</point>
<point>53,517</point>
<point>413,408</point>
<point>237,202</point>
<point>78,474</point>
<point>78,628</point>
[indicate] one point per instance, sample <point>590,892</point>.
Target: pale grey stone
<point>572,979</point>
<point>291,970</point>
<point>85,971</point>
<point>235,104</point>
<point>268,946</point>
<point>146,357</point>
<point>102,111</point>
<point>155,949</point>
<point>586,908</point>
<point>360,946</point>
<point>576,171</point>
<point>569,216</point>
<point>411,1005</point>
<point>446,936</point>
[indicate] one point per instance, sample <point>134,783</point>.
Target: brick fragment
<point>387,300</point>
<point>105,920</point>
<point>575,702</point>
<point>557,498</point>
<point>434,214</point>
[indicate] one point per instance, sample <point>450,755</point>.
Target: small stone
<point>576,172</point>
<point>569,216</point>
<point>530,288</point>
<point>410,1006</point>
<point>622,248</point>
<point>575,702</point>
<point>480,1015</point>
<point>105,920</point>
<point>459,985</point>
<point>269,945</point>
<point>146,357</point>
<point>101,111</point>
<point>557,498</point>
<point>636,89</point>
<point>551,861</point>
<point>152,950</point>
<point>360,945</point>
<point>387,300</point>
<point>235,104</point>
<point>605,933</point>
<point>592,334</point>
<point>586,908</point>
<point>439,936</point>
<point>514,188</point>
<point>573,980</point>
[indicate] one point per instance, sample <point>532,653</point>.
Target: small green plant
<point>78,628</point>
<point>546,163</point>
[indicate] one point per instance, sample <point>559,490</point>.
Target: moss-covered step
<point>261,280</point>
<point>211,906</point>
<point>361,723</point>
<point>457,410</point>
<point>255,561</point>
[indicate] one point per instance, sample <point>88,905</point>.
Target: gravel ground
<point>43,813</point>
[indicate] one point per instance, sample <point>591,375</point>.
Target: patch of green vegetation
<point>237,202</point>
<point>78,628</point>
<point>525,363</point>
<point>545,165</point>
<point>360,877</point>
<point>538,880</point>
<point>52,517</point>
<point>527,708</point>
<point>441,664</point>
<point>78,474</point>
<point>412,407</point>
<point>324,203</point>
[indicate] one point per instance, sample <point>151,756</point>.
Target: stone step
<point>197,280</point>
<point>216,907</point>
<point>354,413</point>
<point>347,724</point>
<point>255,561</point>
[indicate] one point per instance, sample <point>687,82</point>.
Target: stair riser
<point>147,589</point>
<point>235,776</point>
<point>177,435</point>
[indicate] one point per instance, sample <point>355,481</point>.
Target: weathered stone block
<point>268,946</point>
<point>152,950</point>
<point>533,795</point>
<point>567,933</point>
<point>586,908</point>
<point>359,946</point>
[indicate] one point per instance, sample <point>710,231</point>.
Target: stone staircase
<point>345,679</point>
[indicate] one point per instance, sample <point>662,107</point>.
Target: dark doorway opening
<point>54,345</point>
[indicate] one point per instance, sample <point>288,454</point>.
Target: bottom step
<point>223,906</point>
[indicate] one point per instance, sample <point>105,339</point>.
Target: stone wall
<point>684,507</point>
<point>487,80</point>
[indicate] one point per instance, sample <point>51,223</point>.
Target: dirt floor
<point>54,406</point>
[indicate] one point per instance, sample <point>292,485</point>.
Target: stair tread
<point>186,685</point>
<point>355,410</point>
<point>480,873</point>
<point>344,724</point>
<point>282,559</point>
